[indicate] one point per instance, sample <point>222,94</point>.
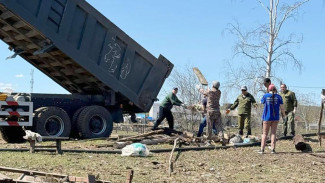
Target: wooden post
<point>129,176</point>
<point>32,146</point>
<point>58,146</point>
<point>320,123</point>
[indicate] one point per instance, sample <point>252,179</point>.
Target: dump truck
<point>107,73</point>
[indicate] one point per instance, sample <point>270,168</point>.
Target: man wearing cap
<point>244,103</point>
<point>213,109</point>
<point>290,107</point>
<point>166,107</point>
<point>203,124</point>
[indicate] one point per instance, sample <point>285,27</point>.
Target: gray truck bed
<point>81,50</point>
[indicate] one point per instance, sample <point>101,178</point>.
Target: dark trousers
<point>164,113</point>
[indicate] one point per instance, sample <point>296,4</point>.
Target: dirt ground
<point>230,165</point>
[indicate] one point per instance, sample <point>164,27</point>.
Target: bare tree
<point>308,111</point>
<point>264,46</point>
<point>186,81</point>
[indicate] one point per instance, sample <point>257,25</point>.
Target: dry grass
<point>231,165</point>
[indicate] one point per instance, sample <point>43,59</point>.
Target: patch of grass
<point>230,165</point>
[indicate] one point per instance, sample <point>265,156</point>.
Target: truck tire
<point>95,122</point>
<point>52,121</point>
<point>74,122</point>
<point>12,134</point>
<point>35,117</point>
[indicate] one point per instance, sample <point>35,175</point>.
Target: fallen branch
<point>170,158</point>
<point>137,137</point>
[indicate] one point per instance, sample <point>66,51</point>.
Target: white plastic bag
<point>136,149</point>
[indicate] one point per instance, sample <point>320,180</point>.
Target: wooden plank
<point>200,76</point>
<point>130,176</point>
<point>30,172</point>
<point>4,177</point>
<point>54,138</point>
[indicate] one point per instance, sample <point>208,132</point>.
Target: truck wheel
<point>12,134</point>
<point>74,122</point>
<point>35,117</point>
<point>52,121</point>
<point>95,122</point>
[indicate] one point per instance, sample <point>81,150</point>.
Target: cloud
<point>19,76</point>
<point>6,87</point>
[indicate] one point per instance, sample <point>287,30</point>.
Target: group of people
<point>274,103</point>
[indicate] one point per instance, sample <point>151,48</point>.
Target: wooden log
<point>120,145</point>
<point>157,141</point>
<point>299,142</point>
<point>113,137</point>
<point>104,145</point>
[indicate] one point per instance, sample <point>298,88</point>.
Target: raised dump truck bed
<point>105,70</point>
<point>81,50</point>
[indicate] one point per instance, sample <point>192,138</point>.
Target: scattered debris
<point>29,176</point>
<point>236,139</point>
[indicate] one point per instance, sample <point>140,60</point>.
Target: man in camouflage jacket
<point>290,106</point>
<point>244,103</point>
